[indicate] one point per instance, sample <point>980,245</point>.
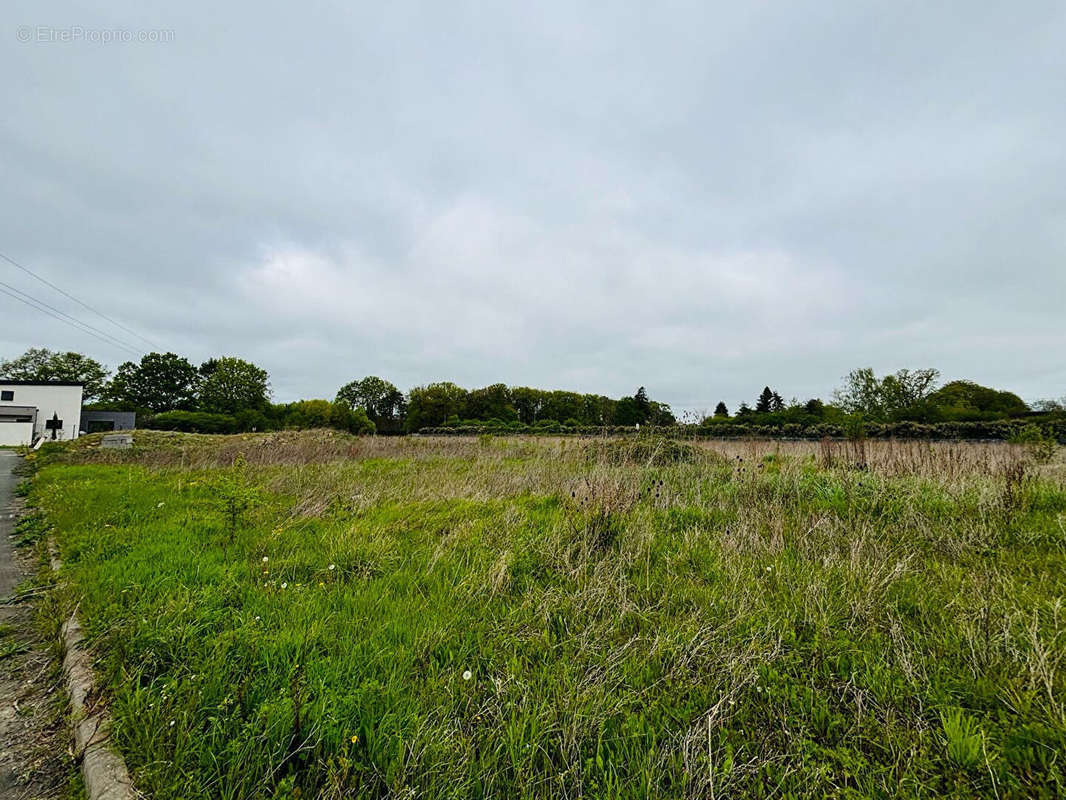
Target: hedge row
<point>192,422</point>
<point>1000,430</point>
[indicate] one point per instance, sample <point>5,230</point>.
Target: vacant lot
<point>313,615</point>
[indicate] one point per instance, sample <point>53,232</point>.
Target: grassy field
<point>319,616</point>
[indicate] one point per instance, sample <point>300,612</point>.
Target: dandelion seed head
<point>467,675</point>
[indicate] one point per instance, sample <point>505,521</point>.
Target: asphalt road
<point>9,571</point>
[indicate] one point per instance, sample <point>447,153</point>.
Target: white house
<point>30,411</point>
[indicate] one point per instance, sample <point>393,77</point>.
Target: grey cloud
<point>699,198</point>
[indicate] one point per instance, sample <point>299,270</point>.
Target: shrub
<point>251,420</point>
<point>1040,446</point>
<point>192,422</point>
<point>353,420</point>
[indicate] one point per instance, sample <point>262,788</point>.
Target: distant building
<point>30,411</point>
<point>106,421</point>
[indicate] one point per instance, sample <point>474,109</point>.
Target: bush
<point>354,420</point>
<point>1040,447</point>
<point>251,420</point>
<point>192,422</point>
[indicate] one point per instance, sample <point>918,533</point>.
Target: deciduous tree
<point>379,398</point>
<point>233,384</point>
<point>42,364</point>
<point>159,382</point>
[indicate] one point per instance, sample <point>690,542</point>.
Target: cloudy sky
<point>702,198</point>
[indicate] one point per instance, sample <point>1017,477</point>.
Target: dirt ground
<point>35,750</point>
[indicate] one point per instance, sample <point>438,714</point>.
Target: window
<point>7,394</point>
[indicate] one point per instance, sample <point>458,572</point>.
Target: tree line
<point>229,394</point>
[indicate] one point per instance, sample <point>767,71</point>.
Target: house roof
<point>40,383</point>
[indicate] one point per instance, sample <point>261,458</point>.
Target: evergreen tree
<point>643,404</point>
<point>720,410</point>
<point>744,410</point>
<point>765,402</point>
<point>776,403</point>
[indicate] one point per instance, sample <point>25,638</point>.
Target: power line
<point>82,303</point>
<point>93,328</point>
<point>62,316</point>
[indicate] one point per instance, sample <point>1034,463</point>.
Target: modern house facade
<point>30,411</point>
<point>103,421</point>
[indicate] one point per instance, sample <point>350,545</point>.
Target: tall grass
<point>572,618</point>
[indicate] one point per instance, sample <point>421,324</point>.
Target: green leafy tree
<point>560,405</point>
<point>232,384</point>
<point>814,407</point>
<point>354,420</point>
<point>596,410</point>
<point>965,398</point>
<point>528,403</point>
<point>491,402</point>
<point>42,364</point>
<point>886,398</point>
<point>159,382</point>
<point>429,406</point>
<point>721,410</point>
<point>304,414</point>
<point>626,412</point>
<point>1050,405</point>
<point>661,414</point>
<point>379,398</point>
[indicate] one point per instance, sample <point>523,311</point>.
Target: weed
<point>30,529</point>
<point>963,737</point>
<point>233,496</point>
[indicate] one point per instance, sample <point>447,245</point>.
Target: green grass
<point>750,623</point>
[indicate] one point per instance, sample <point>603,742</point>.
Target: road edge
<point>103,770</point>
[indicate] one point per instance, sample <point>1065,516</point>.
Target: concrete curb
<point>104,770</point>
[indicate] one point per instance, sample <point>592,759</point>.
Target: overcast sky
<point>701,198</point>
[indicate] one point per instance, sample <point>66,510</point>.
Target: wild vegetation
<point>231,395</point>
<point>319,615</point>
